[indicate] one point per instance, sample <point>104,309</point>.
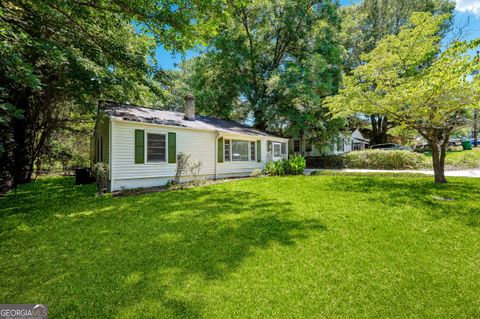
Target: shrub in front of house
<point>294,165</point>
<point>369,159</point>
<point>256,173</point>
<point>100,171</point>
<point>326,161</point>
<point>379,159</point>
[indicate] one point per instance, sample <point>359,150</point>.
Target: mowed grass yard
<point>457,159</point>
<point>295,247</point>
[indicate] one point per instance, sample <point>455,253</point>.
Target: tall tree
<point>61,56</point>
<point>409,79</point>
<point>368,22</point>
<point>275,60</point>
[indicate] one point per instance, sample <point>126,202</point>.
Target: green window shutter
<point>139,146</point>
<point>259,151</point>
<point>172,147</point>
<point>220,150</point>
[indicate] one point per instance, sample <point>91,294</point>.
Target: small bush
<point>182,166</point>
<point>256,172</point>
<point>194,168</point>
<point>295,165</point>
<point>274,168</point>
<point>100,171</point>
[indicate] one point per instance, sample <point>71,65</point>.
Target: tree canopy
<point>60,57</point>
<point>411,80</point>
<point>273,62</point>
<point>366,23</point>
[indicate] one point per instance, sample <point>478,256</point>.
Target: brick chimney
<point>190,107</point>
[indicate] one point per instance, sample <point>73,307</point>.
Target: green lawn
<point>296,247</point>
<point>458,159</point>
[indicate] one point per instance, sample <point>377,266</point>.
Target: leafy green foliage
<point>294,165</point>
<point>365,24</point>
<point>273,62</point>
<point>407,78</point>
<point>197,253</point>
<point>60,57</point>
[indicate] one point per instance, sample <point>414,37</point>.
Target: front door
<point>277,151</point>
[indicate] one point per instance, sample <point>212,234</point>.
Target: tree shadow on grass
<point>455,199</point>
<point>131,256</point>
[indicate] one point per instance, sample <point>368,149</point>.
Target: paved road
<point>459,173</point>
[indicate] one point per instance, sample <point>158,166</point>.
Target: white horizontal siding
<point>200,145</point>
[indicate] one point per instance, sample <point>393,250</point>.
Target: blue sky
<point>467,18</point>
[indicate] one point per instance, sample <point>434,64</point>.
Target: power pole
<point>475,114</point>
<point>475,127</point>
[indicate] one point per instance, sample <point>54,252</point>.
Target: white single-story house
<point>343,143</point>
<point>140,145</point>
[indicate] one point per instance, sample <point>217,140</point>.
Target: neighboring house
<point>359,142</point>
<point>140,145</point>
<point>343,143</point>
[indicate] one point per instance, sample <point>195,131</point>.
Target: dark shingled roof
<point>169,118</point>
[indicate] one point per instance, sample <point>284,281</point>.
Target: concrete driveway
<point>460,173</point>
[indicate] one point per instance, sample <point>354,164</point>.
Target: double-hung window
<point>156,147</point>
<point>252,151</point>
<point>227,151</point>
<point>296,146</point>
<point>277,149</point>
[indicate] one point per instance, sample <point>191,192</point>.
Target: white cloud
<point>472,6</point>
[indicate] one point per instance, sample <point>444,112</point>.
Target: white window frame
<point>254,151</point>
<point>225,159</point>
<point>279,144</point>
<point>231,150</point>
<point>230,158</point>
<point>146,147</point>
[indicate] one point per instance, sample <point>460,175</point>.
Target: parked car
<point>391,147</point>
<point>455,142</point>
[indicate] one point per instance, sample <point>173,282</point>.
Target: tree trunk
<point>439,151</point>
<point>22,158</point>
<point>475,128</point>
<point>379,129</point>
<point>260,122</point>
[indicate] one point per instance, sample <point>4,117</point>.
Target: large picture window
<point>156,147</point>
<point>239,150</point>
